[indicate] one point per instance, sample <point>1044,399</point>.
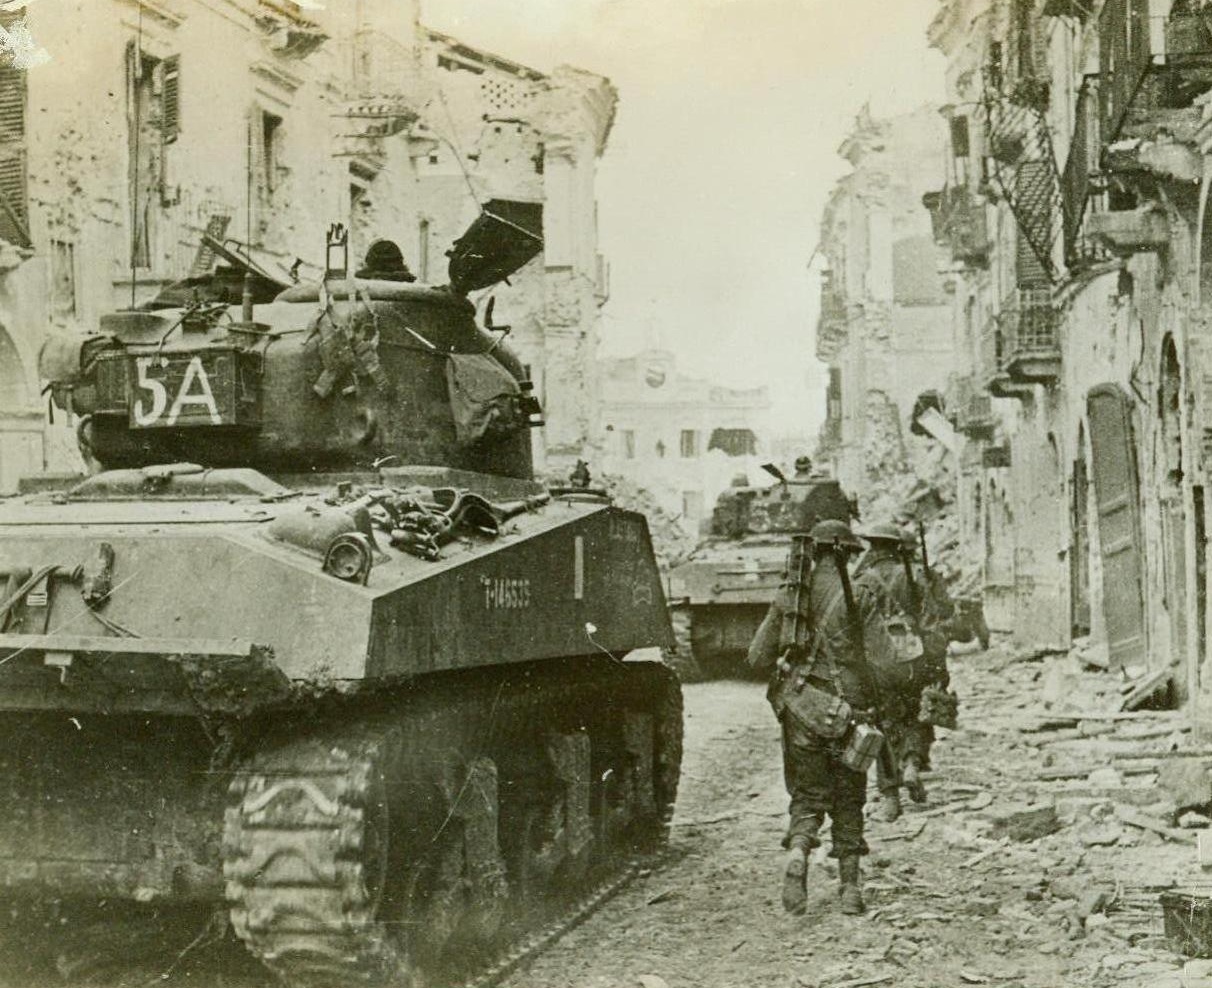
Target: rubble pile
<point>907,473</point>
<point>1055,822</point>
<point>670,541</point>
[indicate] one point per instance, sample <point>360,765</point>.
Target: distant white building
<point>682,438</point>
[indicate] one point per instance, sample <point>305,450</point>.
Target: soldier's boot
<point>890,805</point>
<point>795,877</point>
<point>850,891</point>
<point>913,781</point>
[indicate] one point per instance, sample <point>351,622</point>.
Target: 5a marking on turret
<point>177,390</point>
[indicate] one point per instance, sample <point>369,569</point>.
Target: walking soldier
<point>815,640</point>
<point>917,615</point>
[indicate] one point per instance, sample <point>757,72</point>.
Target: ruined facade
<point>507,132</point>
<point>681,438</point>
<point>262,122</point>
<point>1074,211</point>
<point>884,329</point>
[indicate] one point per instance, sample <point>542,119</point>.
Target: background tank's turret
<point>333,376</point>
<point>792,505</point>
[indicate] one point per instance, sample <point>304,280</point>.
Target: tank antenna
<point>246,299</point>
<point>136,80</point>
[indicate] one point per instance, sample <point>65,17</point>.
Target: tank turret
<point>339,375</point>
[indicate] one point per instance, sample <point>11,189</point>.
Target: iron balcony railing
<point>1023,162</point>
<point>1124,58</point>
<point>976,413</point>
<point>1029,325</point>
<point>1081,168</point>
<point>960,224</point>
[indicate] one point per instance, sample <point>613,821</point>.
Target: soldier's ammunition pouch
<point>939,707</point>
<point>818,711</point>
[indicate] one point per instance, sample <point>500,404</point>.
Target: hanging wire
<point>136,82</point>
<point>452,143</point>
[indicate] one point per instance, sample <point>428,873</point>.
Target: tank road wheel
<point>455,893</point>
<point>644,765</point>
<point>323,889</point>
<point>665,696</point>
<point>549,839</point>
<point>681,657</point>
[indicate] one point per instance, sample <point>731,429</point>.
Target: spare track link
<point>296,828</point>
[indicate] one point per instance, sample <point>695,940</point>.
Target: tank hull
<point>441,747</point>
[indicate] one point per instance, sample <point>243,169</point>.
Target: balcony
<point>831,326</point>
<point>960,224</point>
<point>974,414</point>
<point>1149,64</point>
<point>1022,161</point>
<point>993,375</point>
<point>1030,327</point>
<point>1080,175</point>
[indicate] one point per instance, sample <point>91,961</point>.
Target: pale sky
<point>723,152</point>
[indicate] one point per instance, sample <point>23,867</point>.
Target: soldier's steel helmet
<point>831,530</point>
<point>884,532</point>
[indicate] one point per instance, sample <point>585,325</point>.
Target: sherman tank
<point>312,646</point>
<point>720,593</point>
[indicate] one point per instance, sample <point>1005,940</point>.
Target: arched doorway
<point>21,440</point>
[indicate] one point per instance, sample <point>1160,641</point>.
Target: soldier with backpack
<point>815,641</point>
<point>916,615</point>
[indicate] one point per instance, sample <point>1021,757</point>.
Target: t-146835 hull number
<point>503,593</point>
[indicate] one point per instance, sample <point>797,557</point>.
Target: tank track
<point>305,856</point>
<point>681,657</point>
<point>294,834</point>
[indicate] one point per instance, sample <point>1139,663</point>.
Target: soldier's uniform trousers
<point>820,785</point>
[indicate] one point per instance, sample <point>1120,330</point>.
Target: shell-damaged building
<point>156,124</point>
<point>1074,209</point>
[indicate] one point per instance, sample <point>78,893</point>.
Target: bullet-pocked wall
<point>266,123</point>
<point>884,329</point>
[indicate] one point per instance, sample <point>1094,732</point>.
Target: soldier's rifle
<point>857,641</point>
<point>798,623</point>
<point>921,538</point>
<point>855,620</point>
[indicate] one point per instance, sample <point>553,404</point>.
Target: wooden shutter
<point>1116,492</point>
<point>170,124</point>
<point>14,202</point>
